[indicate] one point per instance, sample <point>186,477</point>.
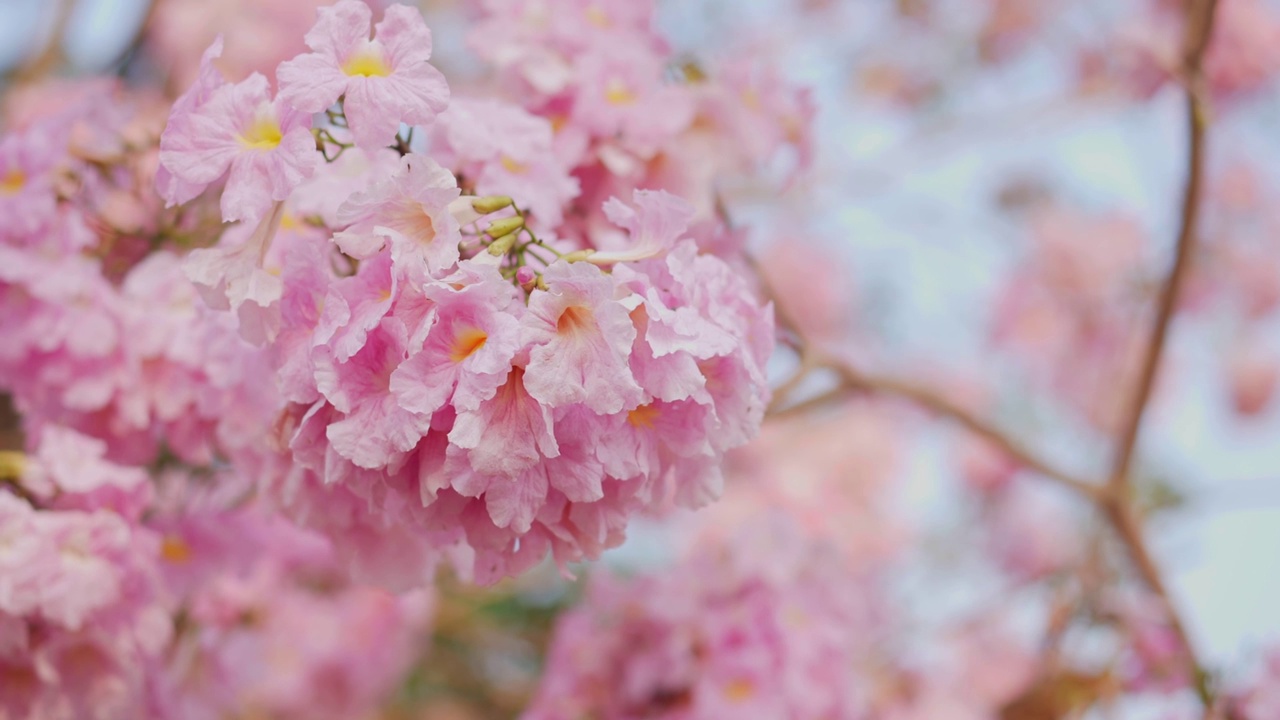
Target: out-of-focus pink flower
<point>505,150</point>
<point>260,34</point>
<point>1252,374</point>
<point>1031,533</point>
<point>81,611</point>
<point>763,623</point>
<point>27,199</point>
<point>383,81</point>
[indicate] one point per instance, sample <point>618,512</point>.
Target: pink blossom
<point>580,337</point>
<point>506,151</point>
<point>233,278</point>
<point>27,199</point>
<point>1252,374</point>
<point>81,591</point>
<point>508,433</point>
<point>263,147</point>
<point>374,427</point>
<point>411,209</point>
<point>751,624</point>
<point>622,94</point>
<point>182,115</point>
<point>657,221</point>
<point>259,34</point>
<point>472,340</point>
<point>384,81</point>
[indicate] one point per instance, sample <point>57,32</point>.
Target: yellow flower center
<point>13,182</point>
<point>512,166</point>
<point>366,63</point>
<point>12,464</point>
<point>597,17</point>
<point>175,550</point>
<point>616,92</point>
<point>739,690</point>
<point>263,134</point>
<point>466,343</point>
<point>643,417</point>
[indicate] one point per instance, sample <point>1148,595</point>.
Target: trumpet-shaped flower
<point>581,338</point>
<point>264,147</point>
<point>384,81</point>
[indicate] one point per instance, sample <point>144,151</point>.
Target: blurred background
<point>991,209</point>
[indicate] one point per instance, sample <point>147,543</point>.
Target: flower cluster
<point>458,367</point>
<point>104,332</point>
<point>120,600</point>
<point>81,612</point>
<point>760,623</point>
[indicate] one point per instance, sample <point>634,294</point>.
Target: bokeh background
<point>960,145</point>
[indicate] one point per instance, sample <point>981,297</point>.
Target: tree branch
<point>1118,501</point>
<point>1196,40</point>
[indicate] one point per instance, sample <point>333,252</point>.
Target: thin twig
<point>928,399</point>
<point>853,380</point>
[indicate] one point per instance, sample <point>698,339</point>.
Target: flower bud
<point>505,226</point>
<point>500,246</point>
<point>527,278</point>
<point>12,464</point>
<point>490,203</point>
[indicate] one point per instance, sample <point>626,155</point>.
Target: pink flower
<point>27,199</point>
<point>81,591</point>
<point>265,148</point>
<point>1252,374</point>
<point>72,469</point>
<point>174,190</point>
<point>507,433</point>
<point>374,429</point>
<point>354,306</point>
<point>622,95</point>
<point>656,222</point>
<point>580,338</point>
<point>472,340</point>
<point>232,277</point>
<point>411,209</point>
<point>506,151</point>
<point>767,622</point>
<point>384,81</point>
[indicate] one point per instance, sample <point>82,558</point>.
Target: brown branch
<point>1128,528</point>
<point>1196,40</point>
<point>1118,501</point>
<point>852,379</point>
